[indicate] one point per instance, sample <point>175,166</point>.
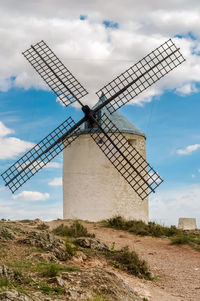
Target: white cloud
<point>187,89</point>
<point>193,176</point>
<point>37,165</point>
<point>11,146</point>
<point>96,54</point>
<point>56,182</point>
<point>188,150</point>
<point>4,131</point>
<point>53,165</point>
<point>168,205</point>
<point>29,210</point>
<point>31,196</point>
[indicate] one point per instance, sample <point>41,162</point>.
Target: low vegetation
<point>42,226</point>
<point>53,269</point>
<point>129,261</point>
<point>176,235</point>
<point>49,290</point>
<point>141,228</point>
<point>4,282</point>
<point>34,275</point>
<point>5,233</point>
<point>75,230</point>
<point>40,270</point>
<point>98,297</point>
<point>70,248</point>
<point>187,238</point>
<point>26,221</point>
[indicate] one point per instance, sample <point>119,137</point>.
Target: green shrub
<point>48,269</point>
<point>130,261</point>
<point>176,235</point>
<point>141,228</point>
<point>4,282</point>
<point>112,249</point>
<point>18,273</point>
<point>116,222</point>
<point>137,227</point>
<point>46,289</point>
<point>58,290</point>
<point>14,229</point>
<point>21,266</point>
<point>75,230</point>
<point>182,239</point>
<point>53,269</point>
<point>26,221</point>
<point>61,230</point>
<point>98,297</point>
<point>70,249</point>
<point>72,269</point>
<point>6,235</point>
<point>198,241</point>
<point>43,226</point>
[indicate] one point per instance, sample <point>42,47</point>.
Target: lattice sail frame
<point>39,156</point>
<point>146,179</point>
<point>142,75</point>
<point>54,73</point>
<point>118,92</point>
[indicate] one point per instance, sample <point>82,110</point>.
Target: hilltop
<point>76,260</point>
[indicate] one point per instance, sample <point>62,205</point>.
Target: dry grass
<point>129,261</point>
<point>176,235</point>
<point>75,230</point>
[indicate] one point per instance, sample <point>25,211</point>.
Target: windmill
<point>132,166</point>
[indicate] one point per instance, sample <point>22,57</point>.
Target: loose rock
<point>92,243</point>
<point>47,242</point>
<point>83,285</point>
<point>46,257</point>
<point>60,281</point>
<point>79,258</point>
<point>6,233</point>
<point>13,295</point>
<point>8,274</point>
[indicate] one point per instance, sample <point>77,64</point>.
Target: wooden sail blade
<point>55,74</point>
<point>126,159</point>
<point>140,76</point>
<point>40,155</point>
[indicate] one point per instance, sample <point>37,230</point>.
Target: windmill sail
<point>126,159</point>
<point>40,155</point>
<point>55,74</point>
<point>142,75</point>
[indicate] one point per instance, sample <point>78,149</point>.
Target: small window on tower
<point>132,142</point>
<point>100,141</point>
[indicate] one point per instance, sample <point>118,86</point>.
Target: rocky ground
<point>36,264</point>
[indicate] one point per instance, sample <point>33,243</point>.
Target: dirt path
<point>177,268</point>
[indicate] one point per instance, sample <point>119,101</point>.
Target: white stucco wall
<point>93,189</point>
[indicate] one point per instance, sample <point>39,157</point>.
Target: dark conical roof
<point>121,122</point>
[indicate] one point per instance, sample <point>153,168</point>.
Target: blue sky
<point>96,45</point>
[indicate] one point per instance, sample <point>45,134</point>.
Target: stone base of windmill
<point>187,223</point>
